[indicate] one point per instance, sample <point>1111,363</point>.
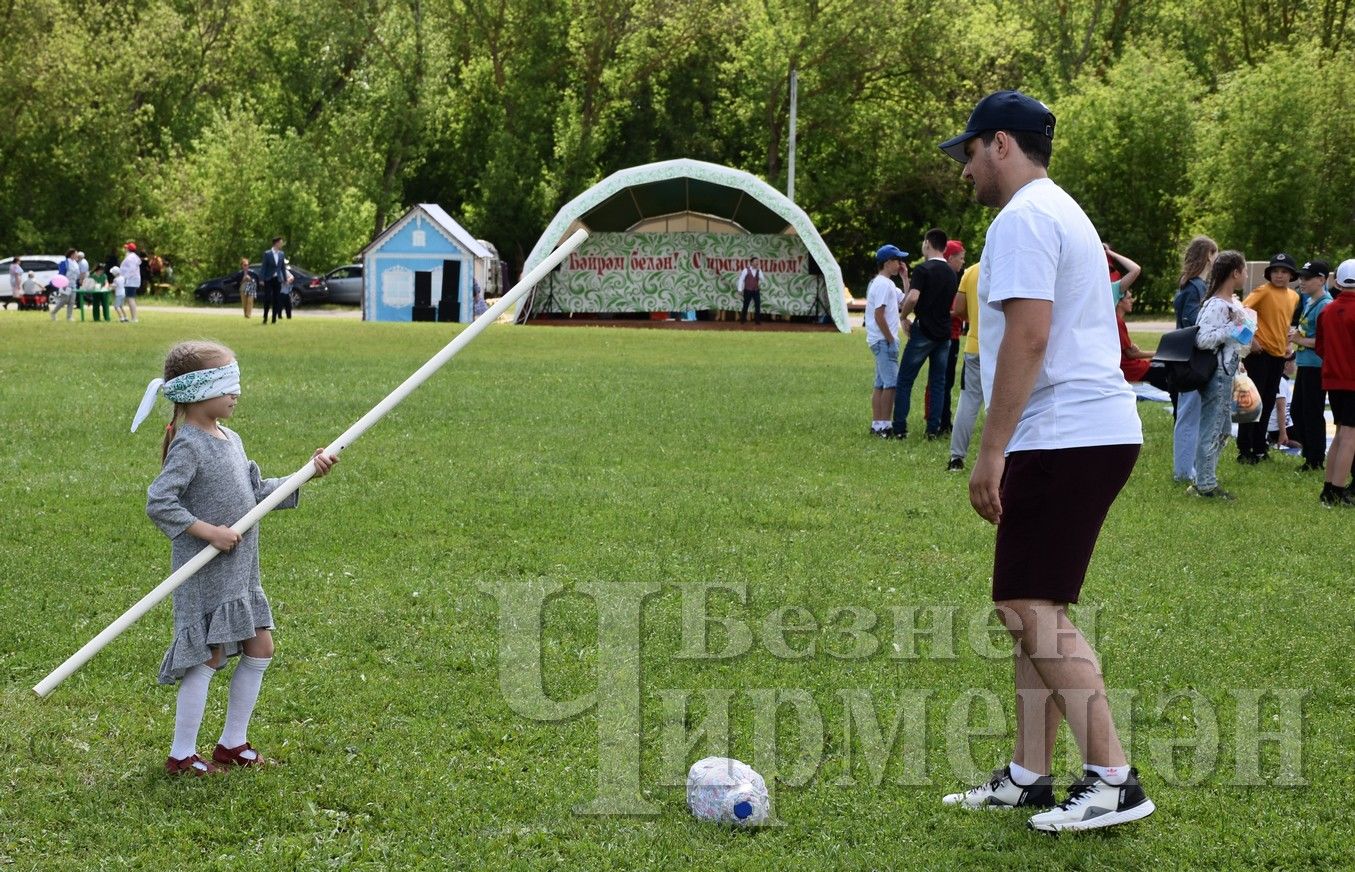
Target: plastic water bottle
<point>724,790</point>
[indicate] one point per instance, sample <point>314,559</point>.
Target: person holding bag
<point>1222,322</point>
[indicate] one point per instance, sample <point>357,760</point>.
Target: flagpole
<point>305,473</point>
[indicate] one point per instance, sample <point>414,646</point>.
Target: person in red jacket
<point>1335,343</point>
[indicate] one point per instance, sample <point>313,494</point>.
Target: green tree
<point>1255,172</point>
<point>240,184</point>
<point>1122,148</point>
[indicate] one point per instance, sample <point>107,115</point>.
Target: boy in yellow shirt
<point>1274,303</point>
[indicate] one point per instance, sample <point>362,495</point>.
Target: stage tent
<point>673,236</point>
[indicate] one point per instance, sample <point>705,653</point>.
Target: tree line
<point>205,127</point>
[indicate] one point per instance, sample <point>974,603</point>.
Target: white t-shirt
<point>1042,246</point>
<point>119,286</point>
<point>131,270</point>
<point>882,292</point>
<point>1286,392</point>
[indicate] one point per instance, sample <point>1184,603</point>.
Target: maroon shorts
<point>1342,407</point>
<point>1053,505</point>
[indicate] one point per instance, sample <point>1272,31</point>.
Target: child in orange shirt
<point>1274,303</point>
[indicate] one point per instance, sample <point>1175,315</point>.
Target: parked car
<point>43,267</point>
<point>343,284</point>
<point>226,289</point>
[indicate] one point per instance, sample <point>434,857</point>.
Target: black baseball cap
<point>1001,110</point>
<point>1314,268</point>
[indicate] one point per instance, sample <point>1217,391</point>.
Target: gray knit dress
<point>209,479</point>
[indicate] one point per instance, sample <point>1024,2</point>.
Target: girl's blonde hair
<point>1196,258</point>
<point>1227,263</point>
<point>185,357</point>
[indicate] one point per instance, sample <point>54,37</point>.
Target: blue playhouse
<point>420,268</point>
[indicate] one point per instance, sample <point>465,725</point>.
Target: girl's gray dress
<point>209,479</point>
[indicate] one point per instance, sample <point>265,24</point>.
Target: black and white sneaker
<point>1092,803</point>
<point>1003,792</point>
<point>956,465</point>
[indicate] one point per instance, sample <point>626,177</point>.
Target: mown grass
<point>616,456</point>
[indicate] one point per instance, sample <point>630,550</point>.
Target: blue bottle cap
<point>743,809</point>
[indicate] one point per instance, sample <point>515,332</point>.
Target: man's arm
<point>959,307</point>
<point>909,303</point>
<point>883,324</point>
<point>1019,359</point>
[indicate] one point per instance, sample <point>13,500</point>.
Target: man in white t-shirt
<point>1060,441</point>
<point>882,336</point>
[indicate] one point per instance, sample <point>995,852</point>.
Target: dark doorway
<point>423,297</point>
<point>449,307</point>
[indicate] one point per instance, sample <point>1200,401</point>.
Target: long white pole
<point>304,474</point>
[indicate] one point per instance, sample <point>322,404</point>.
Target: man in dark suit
<point>274,269</point>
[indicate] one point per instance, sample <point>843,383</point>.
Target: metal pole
<point>790,159</point>
<point>304,474</point>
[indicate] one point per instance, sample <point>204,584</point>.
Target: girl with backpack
<point>1221,318</point>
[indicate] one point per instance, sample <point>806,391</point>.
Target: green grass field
<point>600,460</point>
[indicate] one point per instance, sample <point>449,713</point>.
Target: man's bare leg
<point>1037,717</point>
<point>1067,665</point>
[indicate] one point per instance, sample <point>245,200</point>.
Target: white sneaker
<point>1092,803</point>
<point>1003,792</point>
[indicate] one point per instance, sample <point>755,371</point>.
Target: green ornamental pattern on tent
<point>659,272</point>
<point>748,184</point>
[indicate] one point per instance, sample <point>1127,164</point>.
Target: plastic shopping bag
<point>1246,400</point>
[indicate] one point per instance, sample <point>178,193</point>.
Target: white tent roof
<point>436,215</point>
<point>768,201</point>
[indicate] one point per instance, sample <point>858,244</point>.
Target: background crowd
<point>1271,336</point>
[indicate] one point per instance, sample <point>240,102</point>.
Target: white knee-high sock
<point>245,685</point>
<point>188,713</point>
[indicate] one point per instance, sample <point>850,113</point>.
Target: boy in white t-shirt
<point>1061,438</point>
<point>119,293</point>
<point>882,336</point>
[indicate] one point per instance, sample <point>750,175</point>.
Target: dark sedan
<point>226,289</point>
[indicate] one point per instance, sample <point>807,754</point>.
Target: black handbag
<point>1189,367</point>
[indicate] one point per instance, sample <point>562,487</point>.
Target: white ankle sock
<point>1115,775</point>
<point>188,713</point>
<point>245,685</point>
<point>1022,776</point>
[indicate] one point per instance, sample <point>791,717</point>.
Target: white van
<point>43,267</point>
